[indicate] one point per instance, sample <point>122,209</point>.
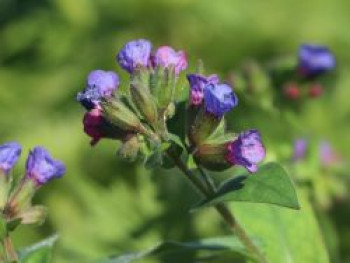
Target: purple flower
<point>219,99</point>
<point>315,60</point>
<point>247,150</point>
<point>100,84</point>
<point>197,83</point>
<point>9,154</point>
<point>135,54</point>
<point>41,167</point>
<point>327,154</point>
<point>166,56</point>
<point>300,146</point>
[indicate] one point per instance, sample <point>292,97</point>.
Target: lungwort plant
<point>16,196</point>
<point>138,115</point>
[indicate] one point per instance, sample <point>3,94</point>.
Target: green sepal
<point>21,198</point>
<point>212,153</point>
<point>163,86</point>
<point>204,126</point>
<point>33,215</point>
<point>117,113</point>
<point>5,185</point>
<point>142,97</point>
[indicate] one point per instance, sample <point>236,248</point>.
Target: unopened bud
<point>212,156</point>
<point>130,147</point>
<point>4,189</point>
<point>164,81</point>
<point>316,90</point>
<point>142,97</point>
<point>97,127</point>
<point>204,125</point>
<point>291,91</point>
<point>117,113</point>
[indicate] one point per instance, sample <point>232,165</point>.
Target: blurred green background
<point>105,205</point>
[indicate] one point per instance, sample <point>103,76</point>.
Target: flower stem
<point>208,190</point>
<point>10,252</point>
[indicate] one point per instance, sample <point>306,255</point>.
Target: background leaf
<point>214,246</point>
<point>271,184</point>
<point>38,253</point>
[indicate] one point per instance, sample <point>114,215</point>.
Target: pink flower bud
<point>166,56</point>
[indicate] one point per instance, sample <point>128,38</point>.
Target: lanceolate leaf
<point>229,245</point>
<point>271,184</point>
<point>40,252</point>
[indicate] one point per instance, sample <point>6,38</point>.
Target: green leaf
<point>228,246</point>
<point>288,236</point>
<point>13,224</point>
<point>177,140</point>
<point>271,184</point>
<point>39,252</point>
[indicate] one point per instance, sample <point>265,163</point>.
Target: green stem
<point>10,252</point>
<point>208,190</point>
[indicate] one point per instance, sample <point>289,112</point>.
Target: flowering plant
<point>140,118</point>
<point>16,206</point>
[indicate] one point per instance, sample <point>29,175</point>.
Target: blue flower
<point>135,54</point>
<point>197,83</point>
<point>9,154</point>
<point>41,167</point>
<point>315,60</point>
<point>166,56</point>
<point>219,99</point>
<point>247,150</point>
<point>100,84</point>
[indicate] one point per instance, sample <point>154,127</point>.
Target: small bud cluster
<point>314,62</point>
<point>16,198</point>
<point>138,117</point>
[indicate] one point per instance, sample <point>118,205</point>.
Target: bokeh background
<point>105,205</point>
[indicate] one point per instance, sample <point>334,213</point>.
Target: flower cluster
<point>306,77</point>
<point>213,100</point>
<point>108,115</point>
<point>15,200</point>
<point>139,116</point>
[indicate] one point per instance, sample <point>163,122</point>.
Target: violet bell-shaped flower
<point>247,150</point>
<point>41,167</point>
<point>100,84</point>
<point>197,84</point>
<point>9,154</point>
<point>135,54</point>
